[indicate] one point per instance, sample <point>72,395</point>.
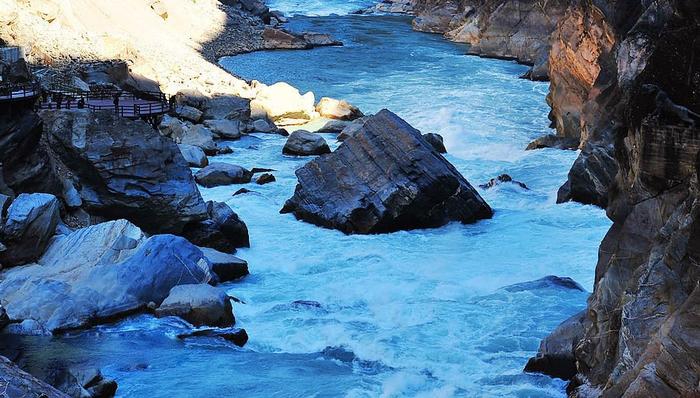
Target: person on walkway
<point>59,98</point>
<point>68,101</point>
<point>171,102</point>
<point>81,103</point>
<point>116,101</point>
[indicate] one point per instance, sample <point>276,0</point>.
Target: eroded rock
<point>386,178</point>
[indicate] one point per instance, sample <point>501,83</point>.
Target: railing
<point>64,96</point>
<point>19,91</point>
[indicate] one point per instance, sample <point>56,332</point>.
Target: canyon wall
<point>625,81</point>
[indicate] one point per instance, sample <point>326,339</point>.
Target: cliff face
<point>640,333</point>
<point>511,29</point>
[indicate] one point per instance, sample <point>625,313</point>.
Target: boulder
<point>553,141</point>
<point>30,223</point>
<point>556,354</point>
<point>172,127</point>
<point>159,9</point>
<point>194,156</point>
<point>26,165</point>
<point>314,39</point>
<point>304,143</point>
<point>223,230</point>
<point>337,109</point>
<point>198,304</point>
<point>18,383</point>
<point>198,136</point>
<point>224,128</point>
<point>282,101</point>
<point>436,141</point>
<point>227,267</point>
<point>386,178</point>
<point>265,179</point>
<point>226,108</point>
<point>334,126</point>
<point>351,129</point>
<point>503,178</point>
<point>126,170</point>
<point>190,113</point>
<point>262,126</point>
<point>274,38</point>
<point>100,273</point>
<point>235,335</point>
<point>71,196</point>
<point>217,174</point>
<point>78,383</point>
<point>590,177</point>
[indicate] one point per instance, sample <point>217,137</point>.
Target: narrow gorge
<point>410,198</point>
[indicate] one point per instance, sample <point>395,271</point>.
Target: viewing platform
<point>137,104</point>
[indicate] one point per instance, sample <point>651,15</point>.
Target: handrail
<point>158,102</point>
<point>18,91</point>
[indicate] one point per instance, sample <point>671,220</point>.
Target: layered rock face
<point>386,177</point>
<point>125,169</point>
<point>639,336</point>
<point>512,29</point>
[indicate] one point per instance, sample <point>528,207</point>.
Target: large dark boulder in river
<point>223,230</point>
<point>30,224</point>
<point>100,273</point>
<point>126,170</point>
<point>217,174</point>
<point>386,178</point>
<point>305,143</point>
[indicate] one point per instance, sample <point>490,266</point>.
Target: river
<point>425,313</point>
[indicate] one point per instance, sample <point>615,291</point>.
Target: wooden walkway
<point>19,91</point>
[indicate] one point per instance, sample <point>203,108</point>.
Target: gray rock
<point>190,113</point>
<point>226,129</point>
<point>263,126</point>
<point>226,107</point>
<point>217,174</point>
<point>172,127</point>
<point>386,178</point>
<point>436,141</point>
<point>199,305</point>
<point>304,143</point>
<point>503,178</point>
<point>100,273</point>
<point>352,129</point>
<point>194,156</point>
<point>71,196</point>
<point>265,179</point>
<point>226,266</point>
<point>235,335</point>
<point>556,354</point>
<point>590,177</point>
<point>334,126</point>
<point>17,383</point>
<point>223,230</point>
<point>126,170</point>
<point>27,327</point>
<point>553,141</point>
<point>30,223</point>
<point>198,136</point>
<point>337,109</point>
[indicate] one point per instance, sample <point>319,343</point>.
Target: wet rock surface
<point>304,143</point>
<point>217,174</point>
<point>126,169</point>
<point>99,273</point>
<point>199,305</point>
<point>385,178</point>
